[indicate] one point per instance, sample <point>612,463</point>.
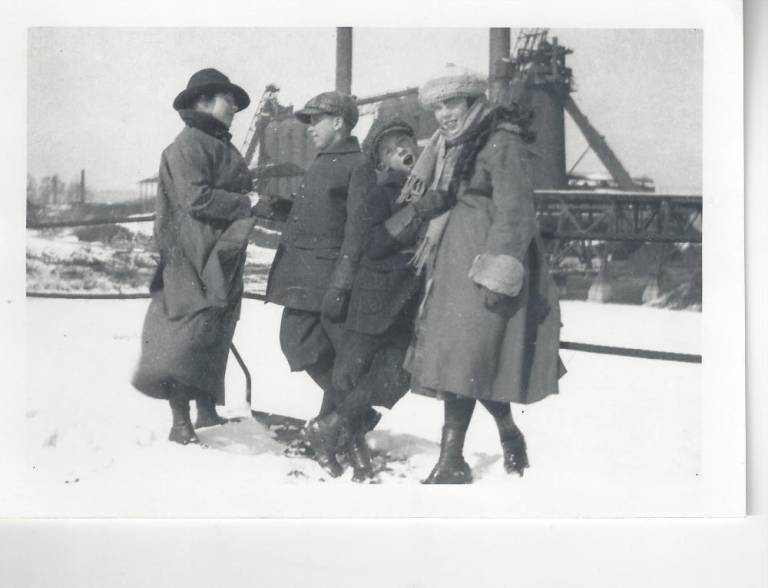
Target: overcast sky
<point>100,98</point>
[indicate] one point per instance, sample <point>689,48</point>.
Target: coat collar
<point>206,123</point>
<point>348,145</point>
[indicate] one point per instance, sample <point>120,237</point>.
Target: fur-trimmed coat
<point>508,353</point>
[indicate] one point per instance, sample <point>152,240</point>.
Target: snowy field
<point>622,438</point>
<point>119,259</point>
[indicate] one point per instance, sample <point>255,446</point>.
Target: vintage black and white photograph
<point>270,269</point>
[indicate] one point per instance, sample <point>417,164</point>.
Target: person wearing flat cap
<point>368,370</point>
<point>203,220</point>
<point>314,267</point>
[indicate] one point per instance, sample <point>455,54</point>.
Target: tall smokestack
<point>344,60</point>
<point>498,65</point>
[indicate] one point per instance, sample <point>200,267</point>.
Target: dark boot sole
<point>458,474</point>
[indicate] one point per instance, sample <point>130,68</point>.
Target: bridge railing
<point>573,205</point>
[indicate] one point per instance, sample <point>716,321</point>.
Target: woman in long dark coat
<point>489,327</point>
<point>201,228</point>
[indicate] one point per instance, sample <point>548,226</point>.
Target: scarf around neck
<point>436,170</point>
<point>206,123</point>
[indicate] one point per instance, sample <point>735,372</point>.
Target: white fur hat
<point>453,81</point>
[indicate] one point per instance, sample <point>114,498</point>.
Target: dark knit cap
<point>380,128</point>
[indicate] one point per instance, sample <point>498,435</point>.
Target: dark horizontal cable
<point>629,352</point>
<point>99,221</point>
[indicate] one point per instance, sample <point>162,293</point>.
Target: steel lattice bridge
<point>619,216</point>
<point>571,219</point>
<point>566,217</point>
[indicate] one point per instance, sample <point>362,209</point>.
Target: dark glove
<point>493,299</point>
<point>272,208</point>
<point>334,305</point>
<point>433,203</point>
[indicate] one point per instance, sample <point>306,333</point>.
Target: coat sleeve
<point>192,171</point>
<point>500,267</point>
<point>398,231</point>
<point>356,227</point>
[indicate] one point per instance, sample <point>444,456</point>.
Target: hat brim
<point>187,98</point>
<point>305,114</point>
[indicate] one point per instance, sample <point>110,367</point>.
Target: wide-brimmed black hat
<point>210,80</point>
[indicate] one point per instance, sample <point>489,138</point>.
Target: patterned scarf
<point>436,170</point>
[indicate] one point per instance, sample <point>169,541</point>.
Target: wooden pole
<point>344,60</point>
<point>82,186</point>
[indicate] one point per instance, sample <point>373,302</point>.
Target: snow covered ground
<point>622,438</point>
<point>59,261</point>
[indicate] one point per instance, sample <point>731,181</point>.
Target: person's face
<point>222,107</point>
<point>397,151</point>
<point>450,114</point>
<point>325,129</point>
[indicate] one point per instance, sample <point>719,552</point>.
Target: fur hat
<point>381,127</point>
<point>453,81</point>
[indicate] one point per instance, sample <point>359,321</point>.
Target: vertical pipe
<point>498,75</point>
<point>549,171</point>
<point>344,60</point>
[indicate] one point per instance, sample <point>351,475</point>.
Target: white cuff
<point>502,274</point>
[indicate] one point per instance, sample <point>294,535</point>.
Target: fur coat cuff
<point>502,274</point>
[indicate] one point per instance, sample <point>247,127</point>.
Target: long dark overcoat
<point>202,226</point>
<point>510,353</point>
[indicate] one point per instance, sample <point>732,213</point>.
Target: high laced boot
<point>206,413</point>
<point>181,430</point>
<point>515,451</point>
<point>359,453</point>
<point>512,440</point>
<point>322,434</point>
<point>451,467</point>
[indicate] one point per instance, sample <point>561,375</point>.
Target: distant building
<point>148,188</point>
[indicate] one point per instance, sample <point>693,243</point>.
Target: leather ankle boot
<point>515,451</point>
<point>322,434</point>
<point>206,413</point>
<point>451,467</point>
<point>181,429</point>
<point>359,455</point>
